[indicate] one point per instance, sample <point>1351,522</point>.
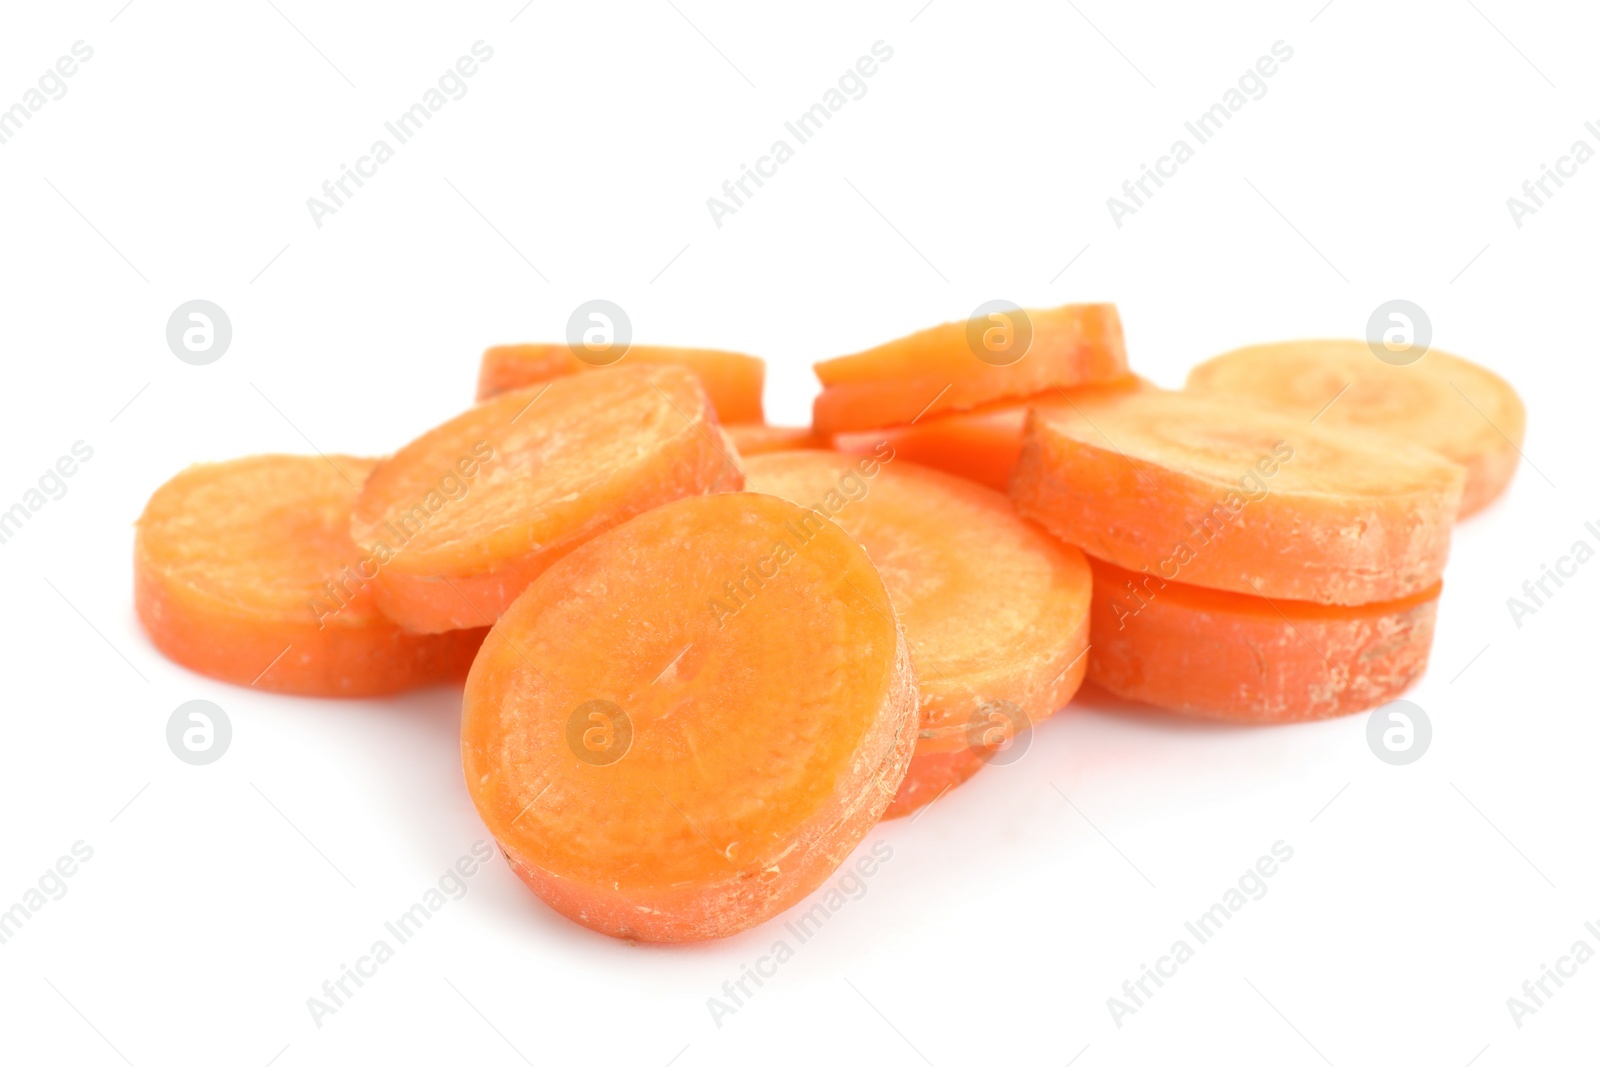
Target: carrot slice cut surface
<point>962,365</point>
<point>1244,658</point>
<point>995,610</point>
<point>460,520</point>
<point>733,381</point>
<point>1460,410</point>
<point>245,571</point>
<point>1225,495</point>
<point>980,445</point>
<point>685,725</point>
<point>752,439</point>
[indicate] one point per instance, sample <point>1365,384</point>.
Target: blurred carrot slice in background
<point>1225,495</point>
<point>733,381</point>
<point>245,571</point>
<point>996,611</point>
<point>1243,658</point>
<point>752,439</point>
<point>962,365</point>
<point>685,725</point>
<point>1460,410</point>
<point>465,516</point>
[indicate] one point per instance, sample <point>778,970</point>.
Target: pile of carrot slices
<point>703,656</point>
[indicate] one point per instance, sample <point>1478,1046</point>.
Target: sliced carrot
<point>460,520</point>
<point>962,365</point>
<point>1244,658</point>
<point>1457,408</point>
<point>245,571</point>
<point>995,610</point>
<point>933,774</point>
<point>685,725</point>
<point>754,438</point>
<point>733,381</point>
<point>1228,496</point>
<point>981,445</point>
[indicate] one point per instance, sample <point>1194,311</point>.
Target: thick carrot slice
<point>245,571</point>
<point>962,365</point>
<point>1457,408</point>
<point>1243,658</point>
<point>754,438</point>
<point>995,610</point>
<point>733,381</point>
<point>459,521</point>
<point>1225,495</point>
<point>685,725</point>
<point>981,445</point>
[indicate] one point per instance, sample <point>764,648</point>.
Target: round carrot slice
<point>685,725</point>
<point>733,381</point>
<point>1228,496</point>
<point>995,610</point>
<point>962,365</point>
<point>1244,658</point>
<point>245,571</point>
<point>752,439</point>
<point>980,445</point>
<point>1455,407</point>
<point>464,517</point>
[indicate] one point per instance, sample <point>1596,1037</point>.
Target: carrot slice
<point>933,774</point>
<point>995,610</point>
<point>733,381</point>
<point>1227,496</point>
<point>1457,408</point>
<point>245,571</point>
<point>961,365</point>
<point>752,439</point>
<point>981,445</point>
<point>685,725</point>
<point>1243,658</point>
<point>463,518</point>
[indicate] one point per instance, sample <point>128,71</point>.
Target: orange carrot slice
<point>463,518</point>
<point>962,365</point>
<point>685,725</point>
<point>1457,408</point>
<point>1243,658</point>
<point>1228,496</point>
<point>995,610</point>
<point>933,774</point>
<point>733,381</point>
<point>981,445</point>
<point>245,571</point>
<point>752,439</point>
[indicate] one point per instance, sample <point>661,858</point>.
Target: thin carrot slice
<point>962,365</point>
<point>733,381</point>
<point>459,521</point>
<point>245,571</point>
<point>995,610</point>
<point>685,725</point>
<point>1457,408</point>
<point>1225,495</point>
<point>980,445</point>
<point>752,439</point>
<point>1243,658</point>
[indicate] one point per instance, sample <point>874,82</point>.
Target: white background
<point>976,167</point>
